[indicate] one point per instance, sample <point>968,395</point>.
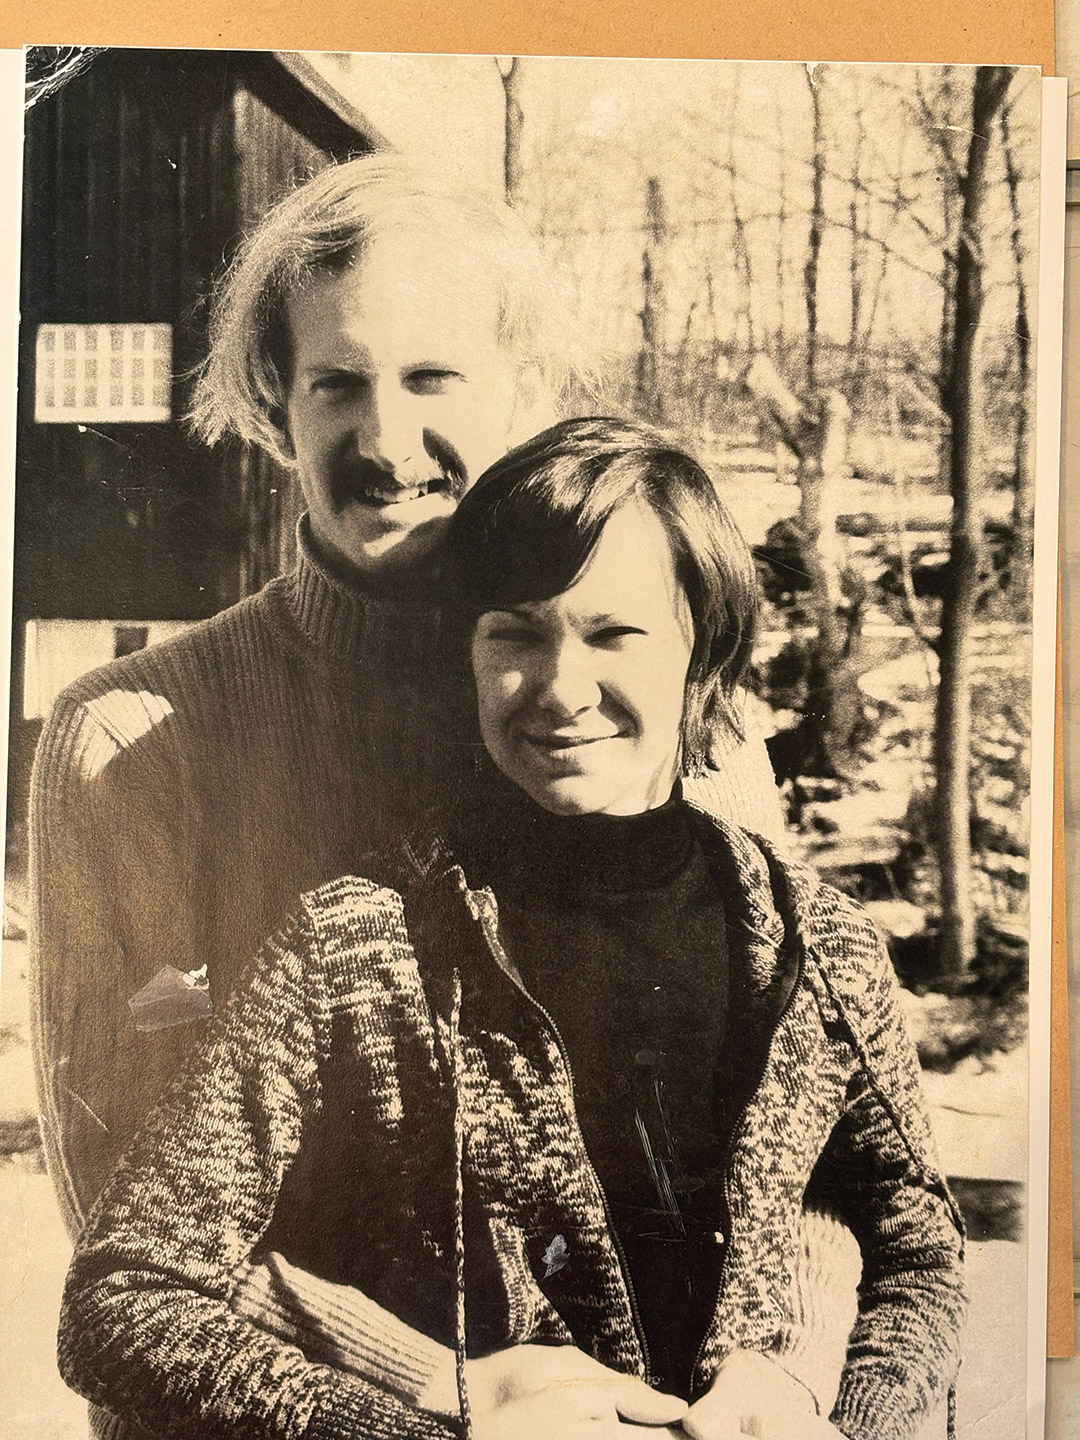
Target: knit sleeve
<point>339,1324</point>
<point>146,1329</point>
<point>881,1173</point>
<point>109,861</point>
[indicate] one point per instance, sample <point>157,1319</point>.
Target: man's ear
<point>534,405</point>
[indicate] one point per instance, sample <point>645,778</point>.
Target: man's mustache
<point>359,473</point>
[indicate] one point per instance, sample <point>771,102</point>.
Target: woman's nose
<point>566,683</point>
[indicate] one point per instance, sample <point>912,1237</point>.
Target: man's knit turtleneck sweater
<point>617,927</point>
<point>183,798</point>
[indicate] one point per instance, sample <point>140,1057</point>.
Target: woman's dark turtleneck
<point>617,927</point>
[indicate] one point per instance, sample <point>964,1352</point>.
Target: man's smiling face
<point>399,396</point>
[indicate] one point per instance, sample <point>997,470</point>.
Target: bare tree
<point>649,387</point>
<point>1022,516</point>
<point>510,75</point>
<point>858,246</point>
<point>964,403</point>
<point>936,115</point>
<point>817,225</point>
<point>817,433</point>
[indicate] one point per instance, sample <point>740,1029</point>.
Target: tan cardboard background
<point>972,31</point>
<point>1018,32</point>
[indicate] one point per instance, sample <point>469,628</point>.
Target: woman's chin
<point>565,795</point>
<point>580,795</point>
<point>563,804</point>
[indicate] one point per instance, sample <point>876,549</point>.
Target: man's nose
<point>390,432</point>
<point>566,682</point>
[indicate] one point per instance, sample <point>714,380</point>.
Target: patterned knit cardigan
<point>384,1105</point>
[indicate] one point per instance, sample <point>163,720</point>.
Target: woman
<point>596,1114</point>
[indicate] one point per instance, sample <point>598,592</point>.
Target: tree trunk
<point>818,434</point>
<point>817,223</point>
<point>834,702</point>
<point>649,396</point>
<point>1023,519</point>
<point>514,119</point>
<point>833,718</point>
<point>963,401</point>
<point>951,198</point>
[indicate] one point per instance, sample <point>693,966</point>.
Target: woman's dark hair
<point>527,528</point>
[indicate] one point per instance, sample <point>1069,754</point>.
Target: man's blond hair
<point>326,224</point>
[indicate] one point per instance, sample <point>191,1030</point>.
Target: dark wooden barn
<point>141,174</point>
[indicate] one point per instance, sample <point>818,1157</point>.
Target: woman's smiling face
<point>581,696</point>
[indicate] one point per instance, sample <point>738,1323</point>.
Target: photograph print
<point>516,902</point>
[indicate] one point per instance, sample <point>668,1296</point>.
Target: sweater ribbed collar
<point>519,845</point>
<point>356,632</point>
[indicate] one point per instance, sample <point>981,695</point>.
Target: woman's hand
<point>555,1392</point>
<point>753,1395</point>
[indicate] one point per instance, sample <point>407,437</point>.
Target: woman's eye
<point>612,635</point>
<point>510,635</point>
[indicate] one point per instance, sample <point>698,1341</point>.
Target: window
<point>103,372</point>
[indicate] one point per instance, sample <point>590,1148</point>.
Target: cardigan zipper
<point>620,1254</point>
<point>733,1139</point>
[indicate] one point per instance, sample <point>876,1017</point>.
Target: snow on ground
<point>979,1113</point>
<point>34,1402</point>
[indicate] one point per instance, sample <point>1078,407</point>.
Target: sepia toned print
<point>815,283</point>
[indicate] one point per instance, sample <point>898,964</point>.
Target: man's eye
<point>336,382</point>
<point>433,381</point>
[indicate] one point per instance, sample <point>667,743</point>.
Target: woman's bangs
<point>530,548</point>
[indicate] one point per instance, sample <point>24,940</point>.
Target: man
<point>389,339</point>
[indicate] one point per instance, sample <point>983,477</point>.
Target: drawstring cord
<point>457,1075</point>
<point>426,860</point>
